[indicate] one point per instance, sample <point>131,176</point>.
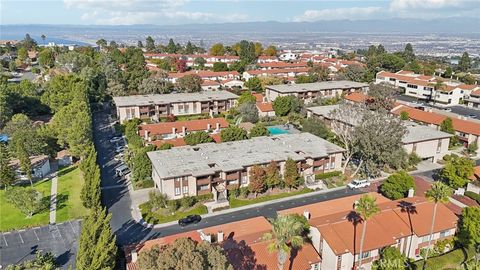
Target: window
<point>244,179</point>
<point>177,191</point>
<point>439,146</point>
<point>185,189</point>
<point>412,86</point>
<point>180,108</point>
<point>414,149</point>
<point>365,254</point>
<point>443,234</point>
<point>326,166</point>
<point>315,267</point>
<point>425,238</point>
<point>392,79</point>
<point>203,187</point>
<point>332,165</point>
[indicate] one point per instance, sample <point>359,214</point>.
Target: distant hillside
<point>407,26</point>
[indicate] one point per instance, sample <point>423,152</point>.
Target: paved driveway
<point>60,239</point>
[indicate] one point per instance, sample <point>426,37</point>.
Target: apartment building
<point>206,75</point>
<point>277,72</point>
<point>467,131</point>
<point>427,142</point>
<point>215,168</point>
<point>473,100</point>
<point>282,65</point>
<point>243,245</point>
<point>40,167</point>
<point>336,236</point>
<point>157,106</point>
<point>310,91</point>
<point>178,129</point>
<point>424,87</point>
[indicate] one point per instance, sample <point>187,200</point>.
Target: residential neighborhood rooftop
<point>306,87</point>
<point>418,133</point>
<point>143,100</point>
<point>206,159</point>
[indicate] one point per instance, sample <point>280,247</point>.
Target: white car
<point>116,139</point>
<point>120,149</point>
<point>119,157</point>
<point>358,184</point>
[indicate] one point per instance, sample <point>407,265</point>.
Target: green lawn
<point>69,204</point>
<point>234,202</point>
<point>450,260</point>
<point>155,218</point>
<point>12,218</point>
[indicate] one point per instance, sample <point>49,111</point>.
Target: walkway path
<point>53,193</point>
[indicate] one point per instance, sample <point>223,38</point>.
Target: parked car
<point>190,219</point>
<point>473,116</point>
<point>116,139</point>
<point>357,183</point>
<point>447,109</point>
<point>122,170</point>
<point>119,157</point>
<point>120,149</point>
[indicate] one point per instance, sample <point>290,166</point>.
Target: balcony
<point>203,181</point>
<point>203,192</point>
<point>232,176</point>
<point>320,162</point>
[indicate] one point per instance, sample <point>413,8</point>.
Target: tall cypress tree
<point>90,193</point>
<point>97,249</point>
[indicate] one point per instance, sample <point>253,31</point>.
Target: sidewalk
<point>53,193</point>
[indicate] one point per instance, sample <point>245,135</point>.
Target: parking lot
<point>60,239</point>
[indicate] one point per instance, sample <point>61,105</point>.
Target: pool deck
<point>290,130</point>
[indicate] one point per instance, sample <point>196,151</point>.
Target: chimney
<point>306,214</point>
<point>220,236</point>
<point>173,130</point>
<point>146,134</point>
<point>184,130</point>
<point>134,255</point>
<point>209,126</point>
<point>355,204</point>
<point>218,126</point>
<point>411,193</point>
<point>205,237</point>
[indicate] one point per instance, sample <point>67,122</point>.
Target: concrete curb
<point>137,216</point>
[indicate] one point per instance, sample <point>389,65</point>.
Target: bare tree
<point>383,96</point>
<point>344,119</point>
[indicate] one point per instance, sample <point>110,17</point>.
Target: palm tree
<point>366,209</point>
<point>287,233</point>
<point>438,193</point>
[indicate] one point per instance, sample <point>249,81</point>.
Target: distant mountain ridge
<point>405,26</point>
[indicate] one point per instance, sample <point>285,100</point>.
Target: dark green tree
<point>171,47</point>
<point>272,175</point>
<point>254,84</point>
<point>465,62</point>
<point>97,249</point>
<point>27,200</point>
<point>396,186</point>
<point>291,175</point>
<point>390,259</point>
<point>457,171</point>
<point>189,83</point>
<point>220,66</point>
<point>259,130</point>
<point>46,58</point>
<point>233,133</point>
<point>150,44</point>
<point>7,175</point>
<point>249,112</point>
<point>316,127</point>
<point>408,54</point>
<point>194,138</point>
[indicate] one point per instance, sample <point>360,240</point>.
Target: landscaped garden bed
<point>268,196</point>
<point>161,210</point>
<point>331,179</point>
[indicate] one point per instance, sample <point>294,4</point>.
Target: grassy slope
<point>70,182</point>
<point>11,218</point>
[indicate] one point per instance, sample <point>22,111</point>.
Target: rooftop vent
<point>211,165</point>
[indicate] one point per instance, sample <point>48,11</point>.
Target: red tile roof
<point>265,106</point>
<point>278,71</point>
<point>282,65</point>
<point>357,97</point>
<point>460,125</point>
<point>204,73</point>
<point>332,220</point>
<point>191,125</point>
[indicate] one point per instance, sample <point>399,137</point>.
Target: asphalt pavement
<point>457,109</point>
<point>59,239</point>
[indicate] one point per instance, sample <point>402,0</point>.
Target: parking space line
<point>71,226</point>
<point>21,238</point>
<point>5,239</point>
<point>35,232</point>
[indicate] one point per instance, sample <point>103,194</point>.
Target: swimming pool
<point>277,130</point>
